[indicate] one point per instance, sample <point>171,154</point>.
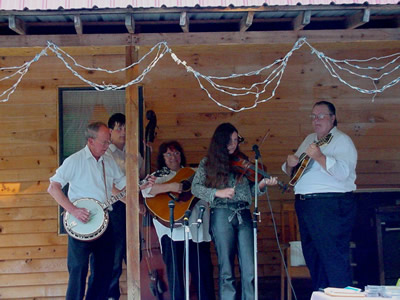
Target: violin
<point>244,167</point>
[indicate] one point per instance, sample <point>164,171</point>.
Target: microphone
<point>171,205</point>
<point>256,151</point>
<point>201,213</point>
<point>186,217</point>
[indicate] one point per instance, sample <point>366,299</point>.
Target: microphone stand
<point>186,226</point>
<point>255,220</point>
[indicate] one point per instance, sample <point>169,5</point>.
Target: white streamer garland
<point>276,69</point>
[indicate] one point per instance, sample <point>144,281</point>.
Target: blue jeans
<point>231,239</point>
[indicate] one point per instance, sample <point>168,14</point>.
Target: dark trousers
<point>325,229</point>
<point>174,259</point>
<point>118,219</point>
<point>233,238</point>
<point>102,250</point>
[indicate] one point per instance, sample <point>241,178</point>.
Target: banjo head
<point>94,227</point>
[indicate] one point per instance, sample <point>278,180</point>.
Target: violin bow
<point>265,137</point>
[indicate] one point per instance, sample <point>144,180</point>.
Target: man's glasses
<point>319,116</point>
<point>104,143</point>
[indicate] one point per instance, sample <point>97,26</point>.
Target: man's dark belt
<point>321,195</point>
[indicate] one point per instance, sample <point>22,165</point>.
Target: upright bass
<point>152,255</point>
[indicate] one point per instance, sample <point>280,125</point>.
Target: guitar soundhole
<point>186,186</point>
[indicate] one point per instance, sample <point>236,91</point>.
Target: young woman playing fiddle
<point>230,195</point>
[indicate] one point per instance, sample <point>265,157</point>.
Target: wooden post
<point>132,174</point>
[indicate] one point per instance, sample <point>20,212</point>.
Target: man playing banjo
<point>90,174</point>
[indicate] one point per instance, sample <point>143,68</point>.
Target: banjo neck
<point>115,198</point>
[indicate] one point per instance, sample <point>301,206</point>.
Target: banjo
<point>98,221</point>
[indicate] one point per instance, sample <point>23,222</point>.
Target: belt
<point>238,205</point>
<point>236,208</point>
<point>322,195</point>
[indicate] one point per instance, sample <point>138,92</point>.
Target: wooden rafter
<point>302,20</point>
<point>130,23</point>
<point>17,25</point>
<point>184,21</point>
<point>78,24</point>
<point>358,19</point>
<point>246,21</point>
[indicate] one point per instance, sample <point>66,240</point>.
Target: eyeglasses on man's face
<point>318,116</point>
<point>104,143</point>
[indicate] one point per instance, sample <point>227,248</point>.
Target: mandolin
<point>304,160</point>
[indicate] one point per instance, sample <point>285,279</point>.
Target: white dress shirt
<point>119,157</point>
<point>341,161</point>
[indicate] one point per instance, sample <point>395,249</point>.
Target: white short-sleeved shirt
<point>85,176</point>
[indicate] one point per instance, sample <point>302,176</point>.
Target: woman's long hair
<point>217,166</point>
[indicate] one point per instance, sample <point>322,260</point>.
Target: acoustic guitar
<point>158,205</point>
<point>304,160</point>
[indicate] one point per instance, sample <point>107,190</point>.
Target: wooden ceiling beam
<point>246,21</point>
<point>78,24</point>
<point>204,38</point>
<point>17,25</point>
<point>159,10</point>
<point>302,20</point>
<point>184,21</point>
<point>358,19</point>
<point>130,23</point>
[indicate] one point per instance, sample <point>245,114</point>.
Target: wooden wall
<point>33,255</point>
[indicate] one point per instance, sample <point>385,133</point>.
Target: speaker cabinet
<point>370,240</point>
<point>388,237</point>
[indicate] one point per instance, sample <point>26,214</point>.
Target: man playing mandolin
<point>324,204</point>
<point>171,185</point>
<point>90,174</point>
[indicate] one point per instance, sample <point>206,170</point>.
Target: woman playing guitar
<point>171,160</point>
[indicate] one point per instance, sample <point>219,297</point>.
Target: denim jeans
<point>233,238</point>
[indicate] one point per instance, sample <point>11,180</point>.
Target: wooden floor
<point>270,289</point>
